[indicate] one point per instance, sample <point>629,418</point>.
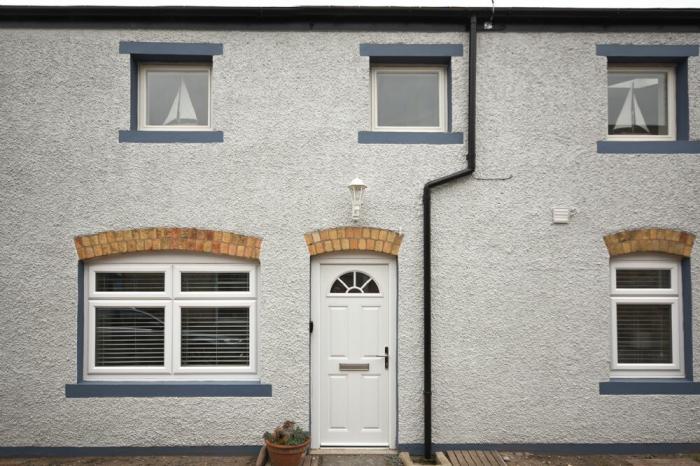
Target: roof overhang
<point>280,11</point>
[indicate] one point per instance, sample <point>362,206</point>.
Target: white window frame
<point>177,353</point>
<point>130,268</point>
<point>645,264</point>
<point>172,301</point>
<point>670,98</point>
<point>178,269</point>
<point>442,93</point>
<point>670,296</point>
<point>117,370</point>
<point>143,101</point>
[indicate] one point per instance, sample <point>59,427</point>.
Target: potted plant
<point>286,444</point>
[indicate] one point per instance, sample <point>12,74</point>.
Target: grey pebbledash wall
<point>521,306</point>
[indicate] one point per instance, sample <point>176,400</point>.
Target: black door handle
<point>385,356</point>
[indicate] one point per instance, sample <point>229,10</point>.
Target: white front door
<point>353,331</point>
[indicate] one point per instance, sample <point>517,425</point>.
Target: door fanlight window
<point>354,282</point>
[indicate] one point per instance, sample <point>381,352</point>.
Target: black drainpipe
<point>471,165</point>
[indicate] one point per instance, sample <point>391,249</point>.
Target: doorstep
<point>352,451</point>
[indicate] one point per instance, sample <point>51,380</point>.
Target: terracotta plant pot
<point>286,455</point>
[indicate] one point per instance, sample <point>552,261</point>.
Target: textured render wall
<point>290,104</point>
<point>521,305</point>
<point>515,361</point>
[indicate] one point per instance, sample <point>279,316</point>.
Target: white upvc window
<point>641,103</point>
<point>159,316</point>
<point>409,98</point>
<point>174,97</point>
<point>646,316</point>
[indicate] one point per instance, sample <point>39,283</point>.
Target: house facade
<point>182,271</point>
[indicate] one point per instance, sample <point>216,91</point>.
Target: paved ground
<point>527,459</point>
<point>323,460</point>
<point>134,460</point>
<point>359,460</point>
<point>514,459</point>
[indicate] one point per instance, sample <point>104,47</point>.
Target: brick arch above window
<point>661,240</point>
<point>219,242</point>
<point>353,239</point>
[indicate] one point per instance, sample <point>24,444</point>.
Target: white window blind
<point>643,278</point>
<point>215,336</point>
<point>644,334</point>
<point>129,336</point>
<point>214,281</point>
<point>129,281</point>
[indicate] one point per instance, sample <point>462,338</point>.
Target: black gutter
<point>427,189</point>
<point>596,17</point>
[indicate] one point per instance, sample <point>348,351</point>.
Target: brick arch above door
<point>353,239</point>
<point>661,240</point>
<point>107,243</point>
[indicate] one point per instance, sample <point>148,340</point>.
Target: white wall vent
<point>561,215</point>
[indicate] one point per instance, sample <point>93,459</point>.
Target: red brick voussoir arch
<point>662,240</point>
<point>109,243</point>
<point>353,239</point>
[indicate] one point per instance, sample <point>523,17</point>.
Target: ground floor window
<point>170,316</point>
<point>647,316</point>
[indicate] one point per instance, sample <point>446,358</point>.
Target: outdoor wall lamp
<point>357,191</point>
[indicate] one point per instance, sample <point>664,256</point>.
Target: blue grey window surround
<point>674,54</point>
<point>145,52</point>
<point>685,386</point>
<point>86,389</point>
<point>414,54</point>
<point>181,450</point>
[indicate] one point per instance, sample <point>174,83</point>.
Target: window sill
<point>167,389</point>
<point>649,387</point>
<point>648,147</point>
<point>171,136</point>
<point>396,137</point>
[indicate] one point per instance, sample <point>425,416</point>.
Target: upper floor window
<point>409,98</point>
<point>170,317</point>
<point>641,102</point>
<point>171,92</point>
<point>646,316</point>
<point>175,97</point>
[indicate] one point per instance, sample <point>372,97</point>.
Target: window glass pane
<point>637,102</point>
<point>215,281</point>
<point>643,278</point>
<point>129,336</point>
<point>408,99</point>
<point>354,282</point>
<point>371,287</point>
<point>215,336</point>
<point>338,287</point>
<point>177,98</point>
<point>644,334</point>
<point>129,281</point>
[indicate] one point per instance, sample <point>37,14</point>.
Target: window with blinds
<point>129,336</point>
<point>214,281</point>
<point>179,317</point>
<point>647,316</point>
<point>129,281</point>
<point>215,336</point>
<point>643,278</point>
<point>644,334</point>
